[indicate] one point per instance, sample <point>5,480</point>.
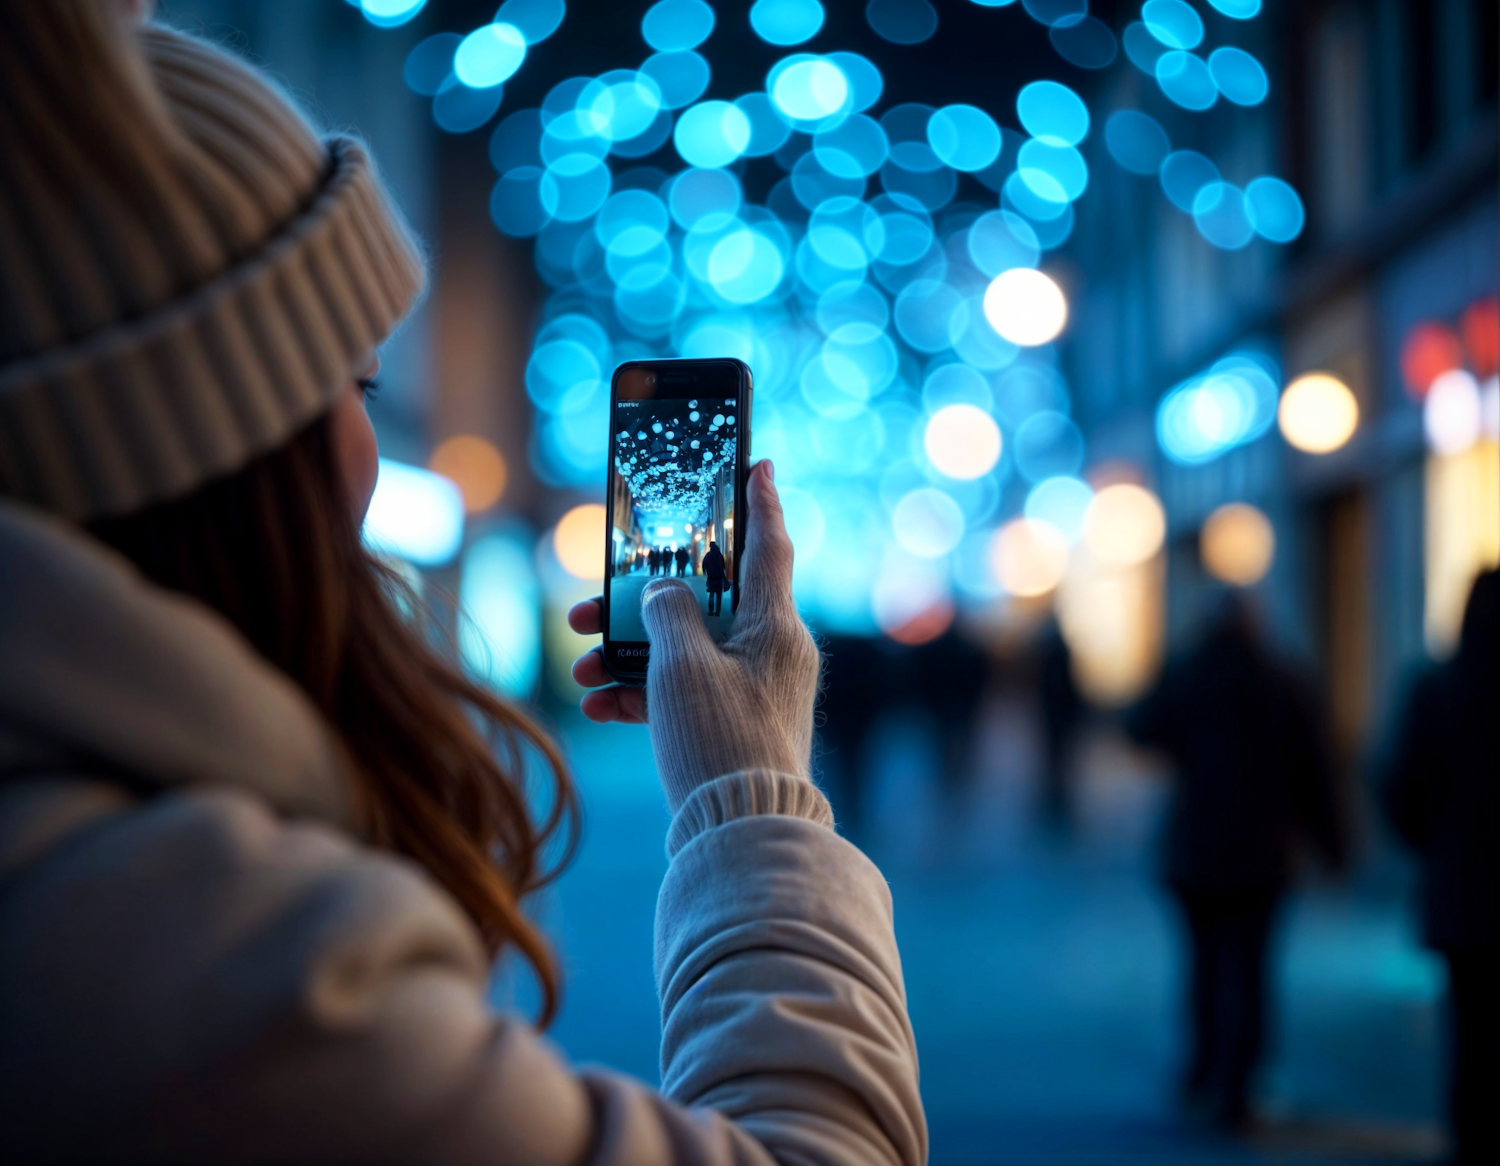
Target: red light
<point>1428,351</point>
<point>1480,326</point>
<point>926,625</point>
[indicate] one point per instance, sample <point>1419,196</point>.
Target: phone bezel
<point>610,649</point>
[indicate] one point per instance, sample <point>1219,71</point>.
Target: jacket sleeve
<point>195,979</point>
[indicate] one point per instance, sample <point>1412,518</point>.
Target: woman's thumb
<point>674,621</point>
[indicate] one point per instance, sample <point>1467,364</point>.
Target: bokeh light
<point>1452,413</point>
<point>808,88</point>
<point>489,55</point>
<point>902,22</point>
<point>457,109</point>
<point>1053,113</point>
<point>1232,403</point>
<point>537,19</point>
<point>712,134</point>
<point>430,63</point>
<point>1136,141</point>
<point>415,515</point>
<point>1237,544</point>
<point>1028,557</point>
<point>500,635</point>
<point>1273,209</point>
<point>1186,80</point>
<point>1480,326</point>
<point>1237,9</point>
<point>1428,350</point>
<point>390,13</point>
<point>671,26</point>
<point>1220,216</point>
<point>681,77</point>
<point>578,541</point>
<point>1125,524</point>
<point>1318,413</point>
<point>786,22</point>
<point>964,137</point>
<point>1183,174</point>
<point>1048,445</point>
<point>1062,502</point>
<point>927,522</point>
<point>1025,306</point>
<point>475,466</point>
<point>1173,22</point>
<point>962,441</point>
<point>1084,41</point>
<point>1239,76</point>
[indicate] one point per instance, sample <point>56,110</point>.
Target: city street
<point>1042,979</point>
<point>625,603</point>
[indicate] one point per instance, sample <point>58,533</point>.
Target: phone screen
<point>674,480</point>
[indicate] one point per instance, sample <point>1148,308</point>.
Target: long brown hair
<point>439,763</point>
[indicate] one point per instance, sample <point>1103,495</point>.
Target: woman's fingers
<point>589,670</point>
<point>587,618</point>
<point>626,705</point>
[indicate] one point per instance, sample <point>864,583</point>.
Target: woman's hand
<point>715,711</point>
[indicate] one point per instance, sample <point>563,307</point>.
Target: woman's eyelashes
<point>369,388</point>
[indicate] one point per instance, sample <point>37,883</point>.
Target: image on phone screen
<point>672,484</point>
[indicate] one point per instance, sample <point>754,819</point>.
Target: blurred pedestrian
<point>1062,709</point>
<point>1253,789</point>
<point>261,841</point>
<point>655,558</point>
<point>1442,795</point>
<point>713,578</point>
<point>946,676</point>
<point>682,561</point>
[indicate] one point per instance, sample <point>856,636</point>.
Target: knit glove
<point>745,707</point>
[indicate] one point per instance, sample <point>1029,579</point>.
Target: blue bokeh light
<point>1143,49</point>
<point>1185,79</point>
<point>697,196</point>
<point>865,82</point>
<point>1237,9</point>
<point>1063,501</point>
<point>1239,76</point>
<point>671,26</point>
<point>415,514</point>
<point>1055,173</point>
<point>902,22</point>
<point>516,202</point>
<point>808,89</point>
<point>855,148</point>
<point>430,63</point>
<point>574,187</point>
<point>537,19</point>
<point>489,55</point>
<point>1173,22</point>
<point>768,129</point>
<point>1055,12</point>
<point>786,22</point>
<point>1183,174</point>
<point>1274,209</point>
<point>680,76</point>
<point>1220,216</point>
<point>1048,445</point>
<point>964,137</point>
<point>1232,403</point>
<point>1084,41</point>
<point>1136,141</point>
<point>1000,240</point>
<point>711,134</point>
<point>1053,113</point>
<point>390,13</point>
<point>458,109</point>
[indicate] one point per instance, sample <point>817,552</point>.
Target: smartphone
<point>679,453</point>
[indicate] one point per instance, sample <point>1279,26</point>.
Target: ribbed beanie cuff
<point>189,274</point>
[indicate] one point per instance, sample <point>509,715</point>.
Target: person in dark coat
<point>1062,708</point>
<point>1254,788</point>
<point>654,558</point>
<point>682,560</point>
<point>1441,789</point>
<point>713,578</point>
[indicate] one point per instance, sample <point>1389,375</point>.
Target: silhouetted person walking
<point>947,676</point>
<point>1062,708</point>
<point>1442,795</point>
<point>1254,786</point>
<point>682,561</point>
<point>654,558</point>
<point>713,577</point>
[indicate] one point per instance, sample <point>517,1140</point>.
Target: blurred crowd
<point>1259,802</point>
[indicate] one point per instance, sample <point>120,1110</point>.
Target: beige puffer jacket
<point>199,961</point>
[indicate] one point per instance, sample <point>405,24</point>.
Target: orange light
<point>476,466</point>
<point>1480,327</point>
<point>1318,413</point>
<point>579,541</point>
<point>1238,544</point>
<point>1428,351</point>
<point>928,624</point>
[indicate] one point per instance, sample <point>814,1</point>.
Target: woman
<point>259,842</point>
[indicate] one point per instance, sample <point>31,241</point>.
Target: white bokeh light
<point>1452,413</point>
<point>962,441</point>
<point>1025,306</point>
<point>1124,524</point>
<point>1318,413</point>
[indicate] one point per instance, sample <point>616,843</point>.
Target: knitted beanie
<point>189,274</point>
